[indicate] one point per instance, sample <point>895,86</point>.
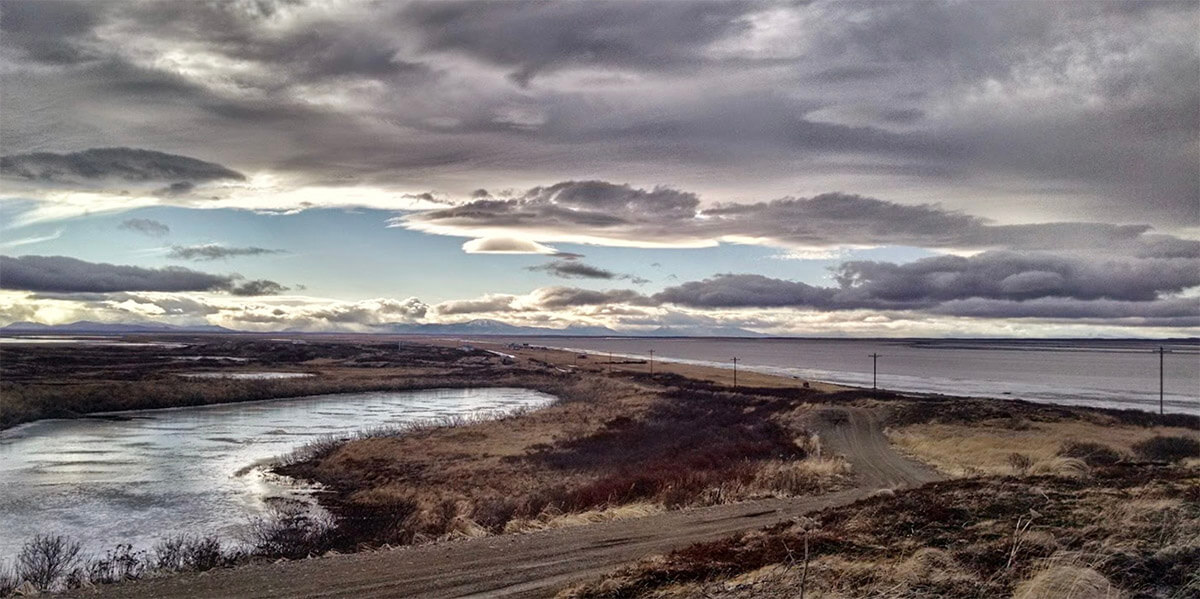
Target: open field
<point>1046,503</point>
<point>1125,531</point>
<point>628,464</point>
<point>989,447</point>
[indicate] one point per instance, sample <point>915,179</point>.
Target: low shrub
<point>1168,449</point>
<point>292,532</point>
<point>9,581</point>
<point>1093,454</point>
<point>118,564</point>
<point>45,561</point>
<point>186,552</point>
<point>494,512</point>
<point>377,516</point>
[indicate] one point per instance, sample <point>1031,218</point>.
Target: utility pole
<point>651,362</point>
<point>610,362</point>
<point>874,371</point>
<point>1161,351</point>
<point>735,361</point>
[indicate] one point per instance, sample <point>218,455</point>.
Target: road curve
<point>538,564</point>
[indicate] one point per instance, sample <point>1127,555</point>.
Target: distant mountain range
<point>484,326</point>
<point>480,326</point>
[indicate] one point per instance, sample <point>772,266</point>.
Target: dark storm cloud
<point>533,37</point>
<point>128,164</point>
<point>177,189</point>
<point>568,206</point>
<point>663,215</point>
<point>213,251</point>
<point>1173,312</point>
<point>145,226</point>
<point>846,73</point>
<point>552,298</point>
<point>568,266</point>
<point>571,269</point>
<point>987,283</point>
<point>61,274</point>
<point>745,290</point>
<point>257,287</point>
<point>1017,276</point>
<point>1090,110</point>
<point>49,32</point>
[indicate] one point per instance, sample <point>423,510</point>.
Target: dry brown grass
<point>1067,582</point>
<point>609,449</point>
<point>984,448</point>
<point>1127,531</point>
<point>550,519</point>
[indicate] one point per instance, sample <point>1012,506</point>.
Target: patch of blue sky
<point>352,254</point>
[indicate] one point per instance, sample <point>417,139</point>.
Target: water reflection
<point>163,472</point>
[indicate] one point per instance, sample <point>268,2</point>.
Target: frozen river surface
<point>144,475</point>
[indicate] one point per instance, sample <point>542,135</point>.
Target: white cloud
<point>506,245</point>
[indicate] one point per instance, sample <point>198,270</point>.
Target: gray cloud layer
<point>127,164</point>
<point>1070,108</point>
<point>989,285</point>
<point>623,213</point>
<point>1143,292</point>
<point>145,226</point>
<point>568,266</point>
<point>61,274</point>
<point>572,269</point>
<point>213,251</point>
<point>999,276</point>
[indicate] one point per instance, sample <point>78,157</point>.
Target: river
<point>139,476</point>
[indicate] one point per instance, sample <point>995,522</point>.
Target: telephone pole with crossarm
<point>874,371</point>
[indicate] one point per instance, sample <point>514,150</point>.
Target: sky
<point>790,168</point>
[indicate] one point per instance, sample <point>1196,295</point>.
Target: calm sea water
<point>1102,373</point>
<point>188,470</point>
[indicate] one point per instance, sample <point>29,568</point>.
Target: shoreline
<point>11,432</point>
<point>329,379</point>
<point>1105,400</point>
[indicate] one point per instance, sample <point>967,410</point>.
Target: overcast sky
<point>812,168</point>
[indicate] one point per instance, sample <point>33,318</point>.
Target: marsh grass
<point>324,445</point>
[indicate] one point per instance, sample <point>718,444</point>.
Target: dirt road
<point>539,564</point>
